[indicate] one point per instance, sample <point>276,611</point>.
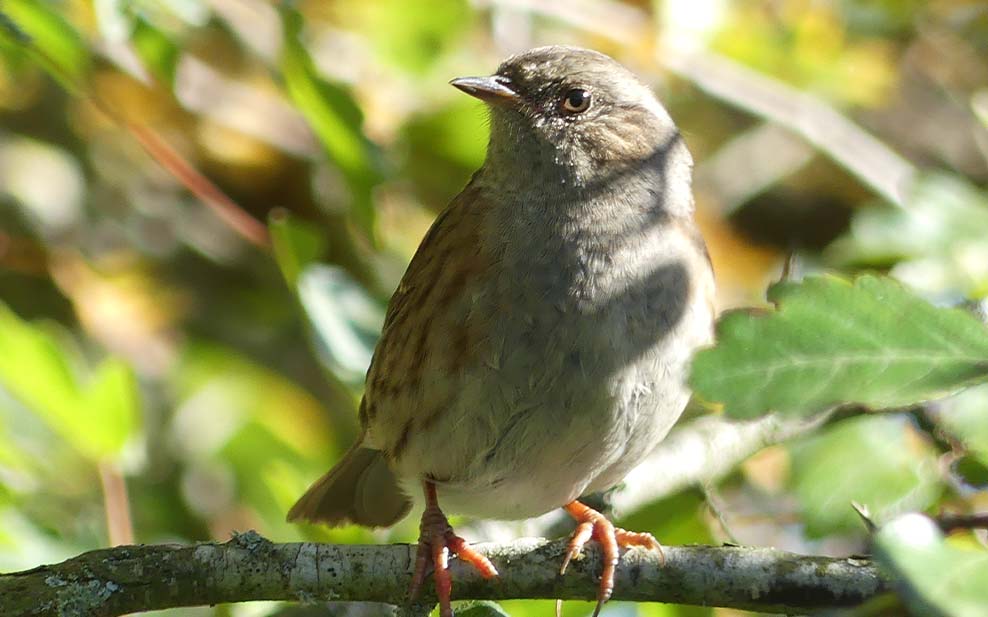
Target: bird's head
<point>571,112</point>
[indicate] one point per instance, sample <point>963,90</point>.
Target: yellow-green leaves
<point>158,51</point>
<point>296,244</point>
<point>886,467</point>
<point>410,36</point>
<point>935,244</point>
<point>830,341</point>
<point>44,33</point>
<point>96,413</point>
<point>333,116</point>
<point>934,577</point>
<point>345,319</point>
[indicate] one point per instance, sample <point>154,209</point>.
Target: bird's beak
<point>495,89</point>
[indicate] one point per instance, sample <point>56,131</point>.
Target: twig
<point>716,507</point>
<point>208,193</point>
<point>952,522</point>
<point>112,582</point>
<point>116,504</point>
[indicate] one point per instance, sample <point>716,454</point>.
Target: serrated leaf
<point>334,117</point>
<point>830,341</point>
<point>935,578</point>
<point>883,465</point>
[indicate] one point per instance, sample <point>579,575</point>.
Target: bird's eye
<point>576,101</point>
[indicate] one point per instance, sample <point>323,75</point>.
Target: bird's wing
<point>423,341</point>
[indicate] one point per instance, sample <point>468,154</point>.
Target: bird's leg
<point>593,524</point>
<point>436,541</point>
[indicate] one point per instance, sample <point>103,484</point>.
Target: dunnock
<point>537,347</point>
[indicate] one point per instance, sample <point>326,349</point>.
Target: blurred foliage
<point>939,578</point>
<point>140,329</point>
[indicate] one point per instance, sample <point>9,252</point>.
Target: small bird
<point>537,347</point>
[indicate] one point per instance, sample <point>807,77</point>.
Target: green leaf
<point>345,318</point>
<point>480,608</point>
<point>934,243</point>
<point>111,403</point>
<point>159,53</point>
<point>831,341</point>
<point>442,148</point>
<point>335,118</point>
<point>296,244</point>
<point>935,578</point>
<point>877,461</point>
<point>409,38</point>
<point>96,415</point>
<point>44,34</point>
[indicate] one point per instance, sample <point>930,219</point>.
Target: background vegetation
<point>175,365</point>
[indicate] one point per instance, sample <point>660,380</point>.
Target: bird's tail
<point>360,489</point>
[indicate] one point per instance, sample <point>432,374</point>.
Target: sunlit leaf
<point>656,609</point>
<point>235,390</point>
<point>876,461</point>
<point>49,38</point>
<point>159,53</point>
<point>935,578</point>
<point>831,341</point>
<point>296,244</point>
<point>935,242</point>
<point>110,404</point>
<point>443,148</point>
<point>677,519</point>
<point>481,608</point>
<point>96,415</point>
<point>334,116</point>
<point>346,320</point>
<point>406,36</point>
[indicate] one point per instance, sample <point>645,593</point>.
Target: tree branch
<point>126,579</point>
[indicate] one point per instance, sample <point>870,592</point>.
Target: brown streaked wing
<point>447,260</point>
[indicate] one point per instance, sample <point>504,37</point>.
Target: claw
<point>436,542</point>
<point>593,525</point>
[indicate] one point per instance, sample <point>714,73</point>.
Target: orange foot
<point>592,524</point>
<point>436,541</point>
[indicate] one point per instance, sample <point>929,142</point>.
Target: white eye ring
<point>576,101</point>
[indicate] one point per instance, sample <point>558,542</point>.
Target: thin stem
<point>116,504</point>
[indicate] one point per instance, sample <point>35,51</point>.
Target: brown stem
<point>953,522</point>
<point>208,193</point>
<point>116,504</point>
